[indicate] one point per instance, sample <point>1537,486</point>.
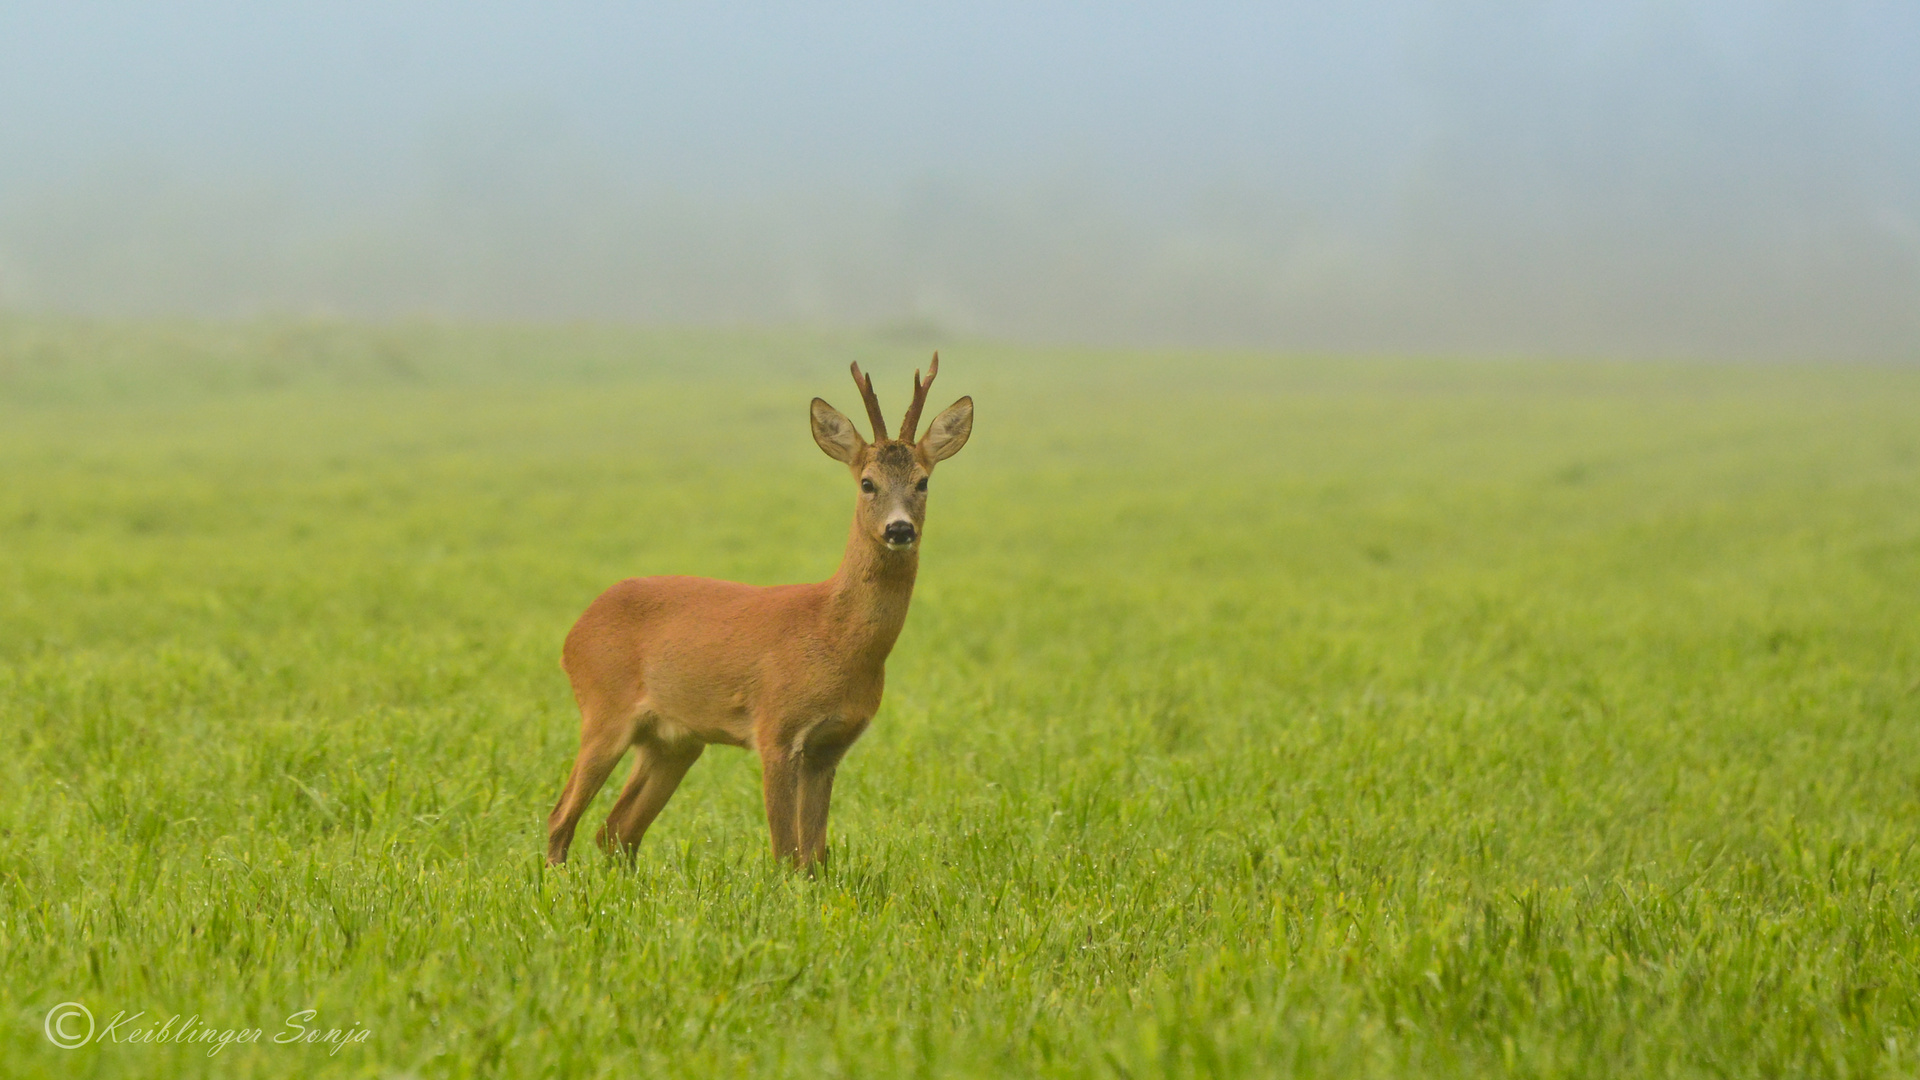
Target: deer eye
<point>922,485</point>
<point>866,485</point>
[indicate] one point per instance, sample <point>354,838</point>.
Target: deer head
<point>893,472</point>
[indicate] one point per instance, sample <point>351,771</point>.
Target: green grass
<point>1255,716</point>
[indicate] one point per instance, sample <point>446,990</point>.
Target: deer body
<point>670,665</point>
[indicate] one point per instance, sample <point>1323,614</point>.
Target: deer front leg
<point>816,769</point>
<point>779,779</point>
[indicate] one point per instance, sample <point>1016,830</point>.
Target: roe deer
<point>794,672</point>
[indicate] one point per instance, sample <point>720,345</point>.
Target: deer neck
<point>868,595</point>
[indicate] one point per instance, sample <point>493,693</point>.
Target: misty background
<point>1681,178</point>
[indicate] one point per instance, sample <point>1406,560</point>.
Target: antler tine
<point>865,383</point>
<point>920,389</point>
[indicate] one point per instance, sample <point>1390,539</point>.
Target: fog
<point>1713,179</point>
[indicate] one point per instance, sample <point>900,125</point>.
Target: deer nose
<point>899,532</point>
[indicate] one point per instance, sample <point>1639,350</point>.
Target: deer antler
<point>919,399</point>
<point>865,383</point>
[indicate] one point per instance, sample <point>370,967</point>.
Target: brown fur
<point>668,665</point>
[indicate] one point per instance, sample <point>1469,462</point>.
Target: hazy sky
<point>1732,178</point>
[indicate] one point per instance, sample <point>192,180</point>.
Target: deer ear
<point>835,433</point>
<point>949,431</point>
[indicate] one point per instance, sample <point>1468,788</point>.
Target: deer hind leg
<point>657,772</point>
<point>602,743</point>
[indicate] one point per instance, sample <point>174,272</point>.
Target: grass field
<point>1255,716</point>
